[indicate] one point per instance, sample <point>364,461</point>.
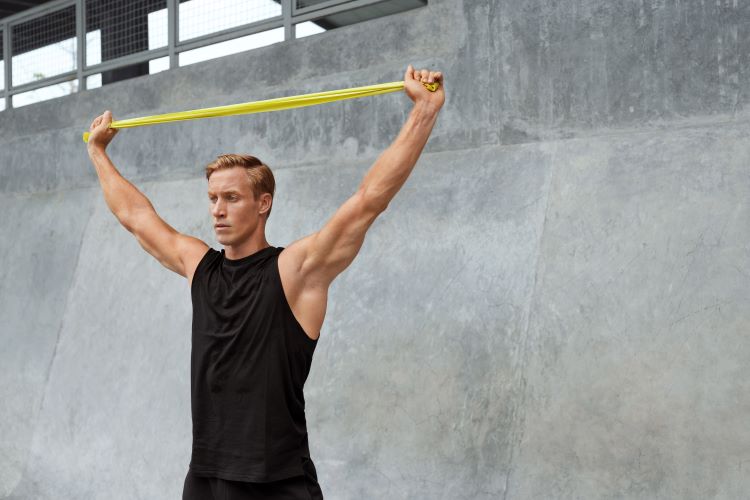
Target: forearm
<point>393,167</point>
<point>122,197</point>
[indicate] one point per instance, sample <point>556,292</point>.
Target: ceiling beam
<point>18,3</point>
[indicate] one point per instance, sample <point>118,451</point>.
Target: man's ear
<point>265,202</point>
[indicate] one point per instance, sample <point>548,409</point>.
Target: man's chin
<point>227,240</point>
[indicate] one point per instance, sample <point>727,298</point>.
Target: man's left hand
<point>413,85</point>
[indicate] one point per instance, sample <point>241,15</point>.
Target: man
<point>258,309</point>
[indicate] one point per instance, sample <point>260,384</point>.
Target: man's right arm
<point>175,251</point>
<point>122,197</point>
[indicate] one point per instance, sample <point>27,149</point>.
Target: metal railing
<point>75,42</point>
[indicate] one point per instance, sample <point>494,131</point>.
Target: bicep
<point>331,250</point>
<point>175,251</point>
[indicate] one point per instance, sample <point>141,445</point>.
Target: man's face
<point>233,205</point>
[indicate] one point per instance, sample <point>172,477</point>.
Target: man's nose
<point>218,208</point>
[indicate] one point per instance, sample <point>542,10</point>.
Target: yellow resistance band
<point>296,101</point>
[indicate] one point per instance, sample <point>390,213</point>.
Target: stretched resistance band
<point>296,101</point>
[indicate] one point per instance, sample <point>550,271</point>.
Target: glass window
<point>201,17</point>
<point>45,93</point>
<point>232,46</point>
<point>44,47</point>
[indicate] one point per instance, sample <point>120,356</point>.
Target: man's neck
<point>234,252</point>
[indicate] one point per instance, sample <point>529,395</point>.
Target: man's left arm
<point>317,259</point>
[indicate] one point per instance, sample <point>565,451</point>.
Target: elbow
<point>129,219</point>
<point>126,222</point>
<point>373,202</point>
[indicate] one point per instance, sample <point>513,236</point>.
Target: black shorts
<point>304,487</point>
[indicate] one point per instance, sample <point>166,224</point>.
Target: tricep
<point>175,251</point>
<point>331,250</point>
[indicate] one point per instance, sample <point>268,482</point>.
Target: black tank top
<point>249,362</point>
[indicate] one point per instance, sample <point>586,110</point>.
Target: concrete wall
<point>554,306</point>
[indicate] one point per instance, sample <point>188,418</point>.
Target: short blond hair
<point>260,176</point>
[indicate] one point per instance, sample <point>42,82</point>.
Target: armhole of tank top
<point>289,307</point>
<point>200,265</point>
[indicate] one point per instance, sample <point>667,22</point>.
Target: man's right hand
<point>100,135</point>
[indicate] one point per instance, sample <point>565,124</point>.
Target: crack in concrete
<point>54,352</point>
<point>518,413</point>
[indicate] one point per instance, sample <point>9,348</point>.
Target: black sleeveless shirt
<point>249,362</point>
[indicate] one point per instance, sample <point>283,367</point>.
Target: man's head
<point>240,193</point>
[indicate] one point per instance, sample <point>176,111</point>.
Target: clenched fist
<point>100,135</point>
<point>413,85</point>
